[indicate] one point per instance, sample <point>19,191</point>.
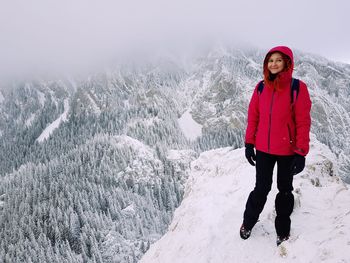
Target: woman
<point>278,128</point>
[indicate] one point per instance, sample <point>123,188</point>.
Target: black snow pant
<point>284,201</point>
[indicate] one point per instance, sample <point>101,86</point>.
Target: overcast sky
<point>44,35</point>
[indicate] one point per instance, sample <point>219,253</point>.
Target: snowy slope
<point>205,226</point>
<point>55,124</point>
<point>189,126</point>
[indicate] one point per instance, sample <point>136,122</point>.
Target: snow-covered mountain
<point>205,227</point>
<point>93,168</point>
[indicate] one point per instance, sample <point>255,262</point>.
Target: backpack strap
<point>294,91</point>
<point>260,87</point>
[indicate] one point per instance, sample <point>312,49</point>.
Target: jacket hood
<point>283,49</point>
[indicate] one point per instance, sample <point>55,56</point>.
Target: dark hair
<point>270,79</point>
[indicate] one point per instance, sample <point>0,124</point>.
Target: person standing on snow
<point>278,128</point>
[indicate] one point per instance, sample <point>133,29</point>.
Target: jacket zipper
<point>290,134</point>
<point>270,118</point>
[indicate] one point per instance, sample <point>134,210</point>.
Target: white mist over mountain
<point>45,37</point>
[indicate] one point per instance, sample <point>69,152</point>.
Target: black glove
<point>250,153</point>
<point>298,164</point>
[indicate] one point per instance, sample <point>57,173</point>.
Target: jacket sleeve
<point>302,117</point>
<point>253,117</point>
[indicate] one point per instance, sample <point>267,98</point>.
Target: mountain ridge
<point>81,196</point>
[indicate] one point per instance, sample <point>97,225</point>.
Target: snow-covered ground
<point>55,124</point>
<point>205,227</point>
<point>189,126</point>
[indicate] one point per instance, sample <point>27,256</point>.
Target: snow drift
<point>205,227</point>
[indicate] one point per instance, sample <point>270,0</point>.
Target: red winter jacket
<point>272,128</point>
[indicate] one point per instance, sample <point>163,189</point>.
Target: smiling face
<point>276,63</point>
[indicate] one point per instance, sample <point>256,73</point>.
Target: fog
<point>46,36</point>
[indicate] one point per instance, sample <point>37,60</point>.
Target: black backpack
<point>294,91</point>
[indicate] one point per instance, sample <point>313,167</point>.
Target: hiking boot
<point>244,233</point>
<point>281,239</point>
